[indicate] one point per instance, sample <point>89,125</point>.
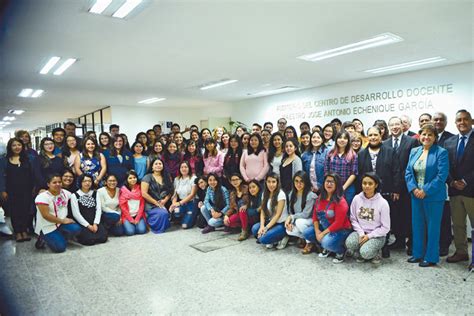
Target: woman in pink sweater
<point>254,164</point>
<point>213,159</point>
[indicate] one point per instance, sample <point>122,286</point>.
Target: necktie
<point>460,148</point>
<point>395,145</point>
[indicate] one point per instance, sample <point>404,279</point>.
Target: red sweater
<point>336,214</point>
<point>125,195</point>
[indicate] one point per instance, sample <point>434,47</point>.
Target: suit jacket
<point>407,143</point>
<point>445,136</point>
<point>387,168</point>
<point>411,134</point>
<point>437,170</point>
<point>463,169</point>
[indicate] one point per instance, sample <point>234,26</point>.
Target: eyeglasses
<point>330,181</point>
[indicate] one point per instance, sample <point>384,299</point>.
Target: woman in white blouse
<point>109,203</point>
<point>183,207</point>
<point>87,211</point>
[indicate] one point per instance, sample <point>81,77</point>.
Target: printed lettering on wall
<point>410,100</point>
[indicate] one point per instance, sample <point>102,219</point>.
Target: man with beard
<point>383,161</point>
<point>400,213</point>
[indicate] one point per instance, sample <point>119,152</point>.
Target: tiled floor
<point>163,274</point>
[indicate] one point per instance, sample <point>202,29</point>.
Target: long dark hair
<point>109,138</point>
<point>297,148</point>
<point>323,145</point>
<point>66,151</point>
<point>230,151</point>
<point>95,153</point>
<point>304,148</point>
<point>272,149</point>
<point>307,188</point>
<point>167,155</point>
<point>260,147</point>
<point>23,154</point>
<point>219,201</point>
<point>206,151</point>
<point>266,195</point>
<point>382,123</point>
<point>333,137</point>
<point>338,193</point>
<point>128,174</point>
<point>188,154</point>
<point>349,153</point>
<point>164,173</point>
<point>295,133</point>
<point>255,201</point>
<point>113,151</point>
<point>44,159</point>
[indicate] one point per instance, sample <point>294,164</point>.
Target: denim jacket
<point>308,156</point>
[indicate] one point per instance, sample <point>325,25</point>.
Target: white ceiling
<point>168,47</point>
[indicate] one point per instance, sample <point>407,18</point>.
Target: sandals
<point>309,248</point>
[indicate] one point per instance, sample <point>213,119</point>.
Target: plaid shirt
<point>340,166</point>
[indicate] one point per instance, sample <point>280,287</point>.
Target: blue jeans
<point>334,242</point>
<point>187,213</point>
<point>426,216</point>
<point>349,194</point>
<point>214,222</point>
<point>130,229</point>
<point>57,240</point>
<point>273,235</point>
<point>110,221</point>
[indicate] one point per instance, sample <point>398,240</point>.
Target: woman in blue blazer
<point>426,174</point>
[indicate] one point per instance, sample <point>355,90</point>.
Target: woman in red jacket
<point>132,205</point>
<point>331,223</point>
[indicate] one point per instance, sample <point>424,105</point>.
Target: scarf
<point>126,194</point>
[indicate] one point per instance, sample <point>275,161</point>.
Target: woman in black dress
<point>45,164</point>
<point>16,187</point>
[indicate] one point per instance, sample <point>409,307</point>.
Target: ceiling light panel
<point>50,64</point>
<point>151,100</point>
<point>99,6</point>
<point>407,65</point>
<point>68,63</point>
<point>25,93</point>
<point>37,93</point>
<point>16,112</point>
<point>379,40</point>
<point>126,8</point>
<point>219,83</point>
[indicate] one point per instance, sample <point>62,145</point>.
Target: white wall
<point>134,119</point>
<point>455,85</point>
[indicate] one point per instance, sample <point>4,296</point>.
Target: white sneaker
<point>323,254</point>
<point>282,243</point>
<point>339,258</point>
<point>5,230</point>
<point>269,246</point>
<point>391,240</point>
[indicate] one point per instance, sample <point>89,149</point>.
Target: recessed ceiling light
<point>379,40</point>
<point>68,63</point>
<point>50,64</point>
<point>126,8</point>
<point>6,123</point>
<point>274,91</point>
<point>152,100</point>
<point>16,112</point>
<point>9,118</point>
<point>222,82</point>
<point>100,6</point>
<point>25,93</point>
<point>407,64</point>
<point>37,93</point>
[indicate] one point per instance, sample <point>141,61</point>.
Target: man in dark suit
<point>461,182</point>
<point>440,121</point>
<point>384,162</point>
<point>400,214</point>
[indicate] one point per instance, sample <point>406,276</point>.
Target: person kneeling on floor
<point>370,219</point>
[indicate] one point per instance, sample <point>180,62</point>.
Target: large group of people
<point>338,190</point>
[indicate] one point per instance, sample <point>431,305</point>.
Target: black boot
<point>385,252</point>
